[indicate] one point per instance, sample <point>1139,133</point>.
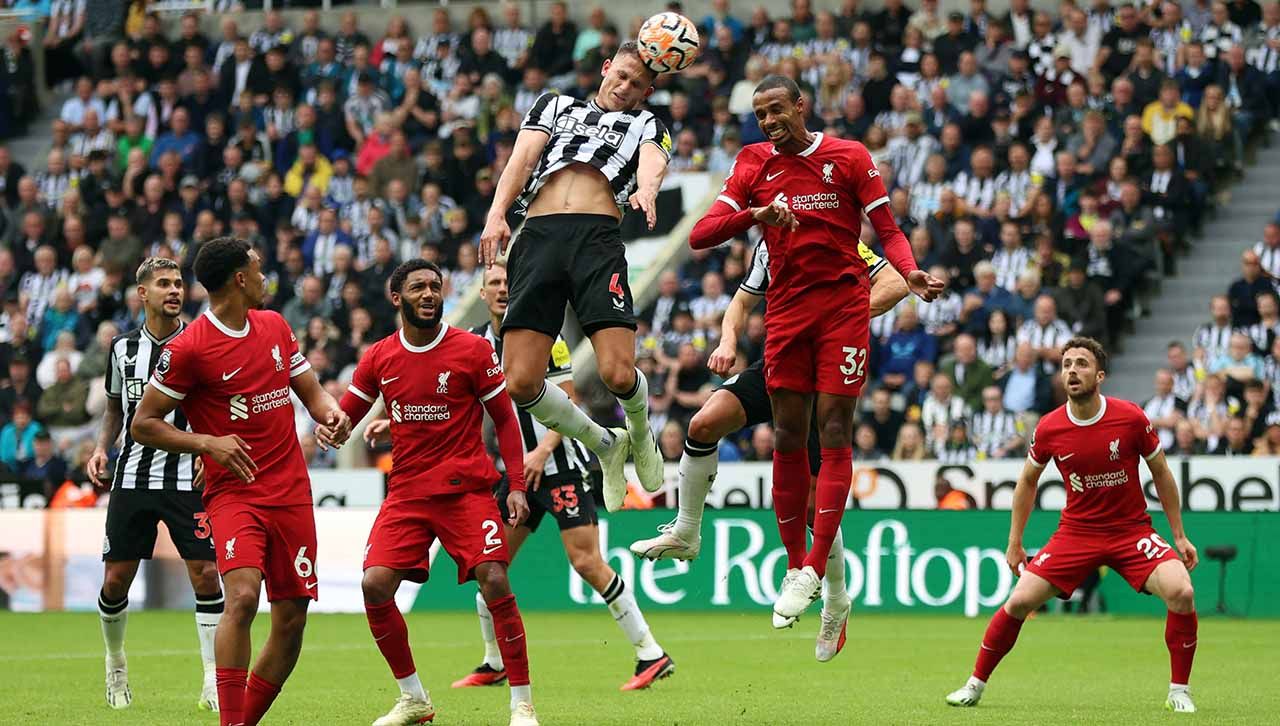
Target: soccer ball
<point>668,42</point>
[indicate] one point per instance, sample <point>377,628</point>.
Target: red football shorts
<point>467,524</point>
<point>824,350</point>
<point>280,542</point>
<point>1069,557</point>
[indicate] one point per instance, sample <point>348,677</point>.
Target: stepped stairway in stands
<point>1214,262</point>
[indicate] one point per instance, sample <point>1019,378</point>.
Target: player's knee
<point>523,386</point>
<point>586,562</point>
<point>788,440</point>
<point>618,374</point>
<point>704,427</point>
<point>1020,606</point>
<point>291,624</point>
<point>378,586</point>
<point>492,579</point>
<point>240,605</point>
<point>1182,598</point>
<point>835,433</point>
<point>115,584</point>
<point>206,579</point>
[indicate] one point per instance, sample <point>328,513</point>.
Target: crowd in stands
<point>1048,165</point>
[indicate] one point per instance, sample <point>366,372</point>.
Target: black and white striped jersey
<point>570,457</point>
<point>582,132</point>
<point>132,358</point>
<point>757,280</point>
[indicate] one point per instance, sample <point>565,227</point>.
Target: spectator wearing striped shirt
<point>994,430</point>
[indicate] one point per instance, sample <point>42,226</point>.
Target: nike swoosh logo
<point>1192,644</point>
<point>381,637</point>
<point>770,177</point>
<point>784,521</point>
<point>1064,457</point>
<point>312,585</point>
<point>512,640</point>
<point>491,550</point>
<point>849,381</point>
<point>228,376</point>
<point>826,511</point>
<point>385,381</point>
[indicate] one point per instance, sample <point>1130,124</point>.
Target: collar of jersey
<point>1089,422</point>
<point>817,139</point>
<point>181,326</point>
<point>444,328</point>
<point>223,326</point>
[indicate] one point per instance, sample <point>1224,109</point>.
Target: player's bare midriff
<point>576,189</point>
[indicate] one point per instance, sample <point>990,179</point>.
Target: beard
<point>1085,393</point>
<point>411,316</point>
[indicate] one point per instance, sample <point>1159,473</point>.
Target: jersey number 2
<point>855,361</point>
<point>1152,546</point>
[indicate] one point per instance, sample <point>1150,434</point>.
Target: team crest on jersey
<point>275,353</point>
<point>230,549</point>
<point>106,544</point>
<point>1115,450</point>
<point>133,388</point>
<point>827,169</point>
<point>443,383</point>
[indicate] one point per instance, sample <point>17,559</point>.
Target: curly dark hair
<point>408,267</point>
<point>218,260</point>
<point>1091,345</point>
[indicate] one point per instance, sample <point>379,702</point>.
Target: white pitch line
<point>337,648</point>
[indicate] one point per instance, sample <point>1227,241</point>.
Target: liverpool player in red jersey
<point>232,371</point>
<point>1096,442</point>
<point>810,192</point>
<point>437,382</point>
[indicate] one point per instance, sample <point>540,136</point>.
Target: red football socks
<point>790,500</point>
<point>511,641</point>
<point>834,479</point>
<point>1180,636</point>
<point>392,636</point>
<point>259,694</point>
<point>231,695</point>
<point>1001,634</point>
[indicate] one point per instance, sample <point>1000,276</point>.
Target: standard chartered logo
<point>395,411</point>
<point>1076,484</point>
<point>239,409</point>
<point>884,571</point>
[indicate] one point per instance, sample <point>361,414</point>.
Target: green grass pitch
<point>731,669</point>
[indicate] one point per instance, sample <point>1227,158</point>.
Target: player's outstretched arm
<point>650,172</point>
<point>1170,502</point>
<point>112,425</point>
<point>150,429</point>
<point>1024,497</point>
<point>735,318</point>
<point>334,425</point>
<point>888,288</point>
<point>524,158</point>
<point>724,221</point>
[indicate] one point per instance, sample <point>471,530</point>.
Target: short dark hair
<point>632,48</point>
<point>408,267</point>
<point>1091,345</point>
<point>218,260</point>
<point>776,81</point>
<point>151,266</point>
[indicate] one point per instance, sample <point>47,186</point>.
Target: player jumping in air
<point>232,372</point>
<point>1096,442</point>
<point>437,382</point>
<point>809,192</point>
<point>555,470</point>
<point>743,401</point>
<point>577,162</point>
<point>150,486</point>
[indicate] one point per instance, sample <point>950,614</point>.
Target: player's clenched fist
<point>723,358</point>
<point>518,506</point>
<point>776,214</point>
<point>1190,557</point>
<point>335,431</point>
<point>232,453</point>
<point>96,467</point>
<point>1016,556</point>
<point>493,240</point>
<point>925,286</point>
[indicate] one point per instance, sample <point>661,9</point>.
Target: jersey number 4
<point>615,287</point>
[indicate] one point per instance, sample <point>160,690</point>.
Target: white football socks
<point>834,588</point>
<point>411,685</point>
<point>626,612</point>
<point>698,465</point>
<point>521,694</point>
<point>114,617</point>
<point>556,411</point>
<point>636,406</point>
<point>492,656</point>
<point>208,613</point>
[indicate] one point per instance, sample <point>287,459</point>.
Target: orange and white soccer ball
<point>668,42</point>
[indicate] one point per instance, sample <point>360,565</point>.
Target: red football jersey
<point>828,186</point>
<point>237,382</point>
<point>1098,461</point>
<point>434,396</point>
